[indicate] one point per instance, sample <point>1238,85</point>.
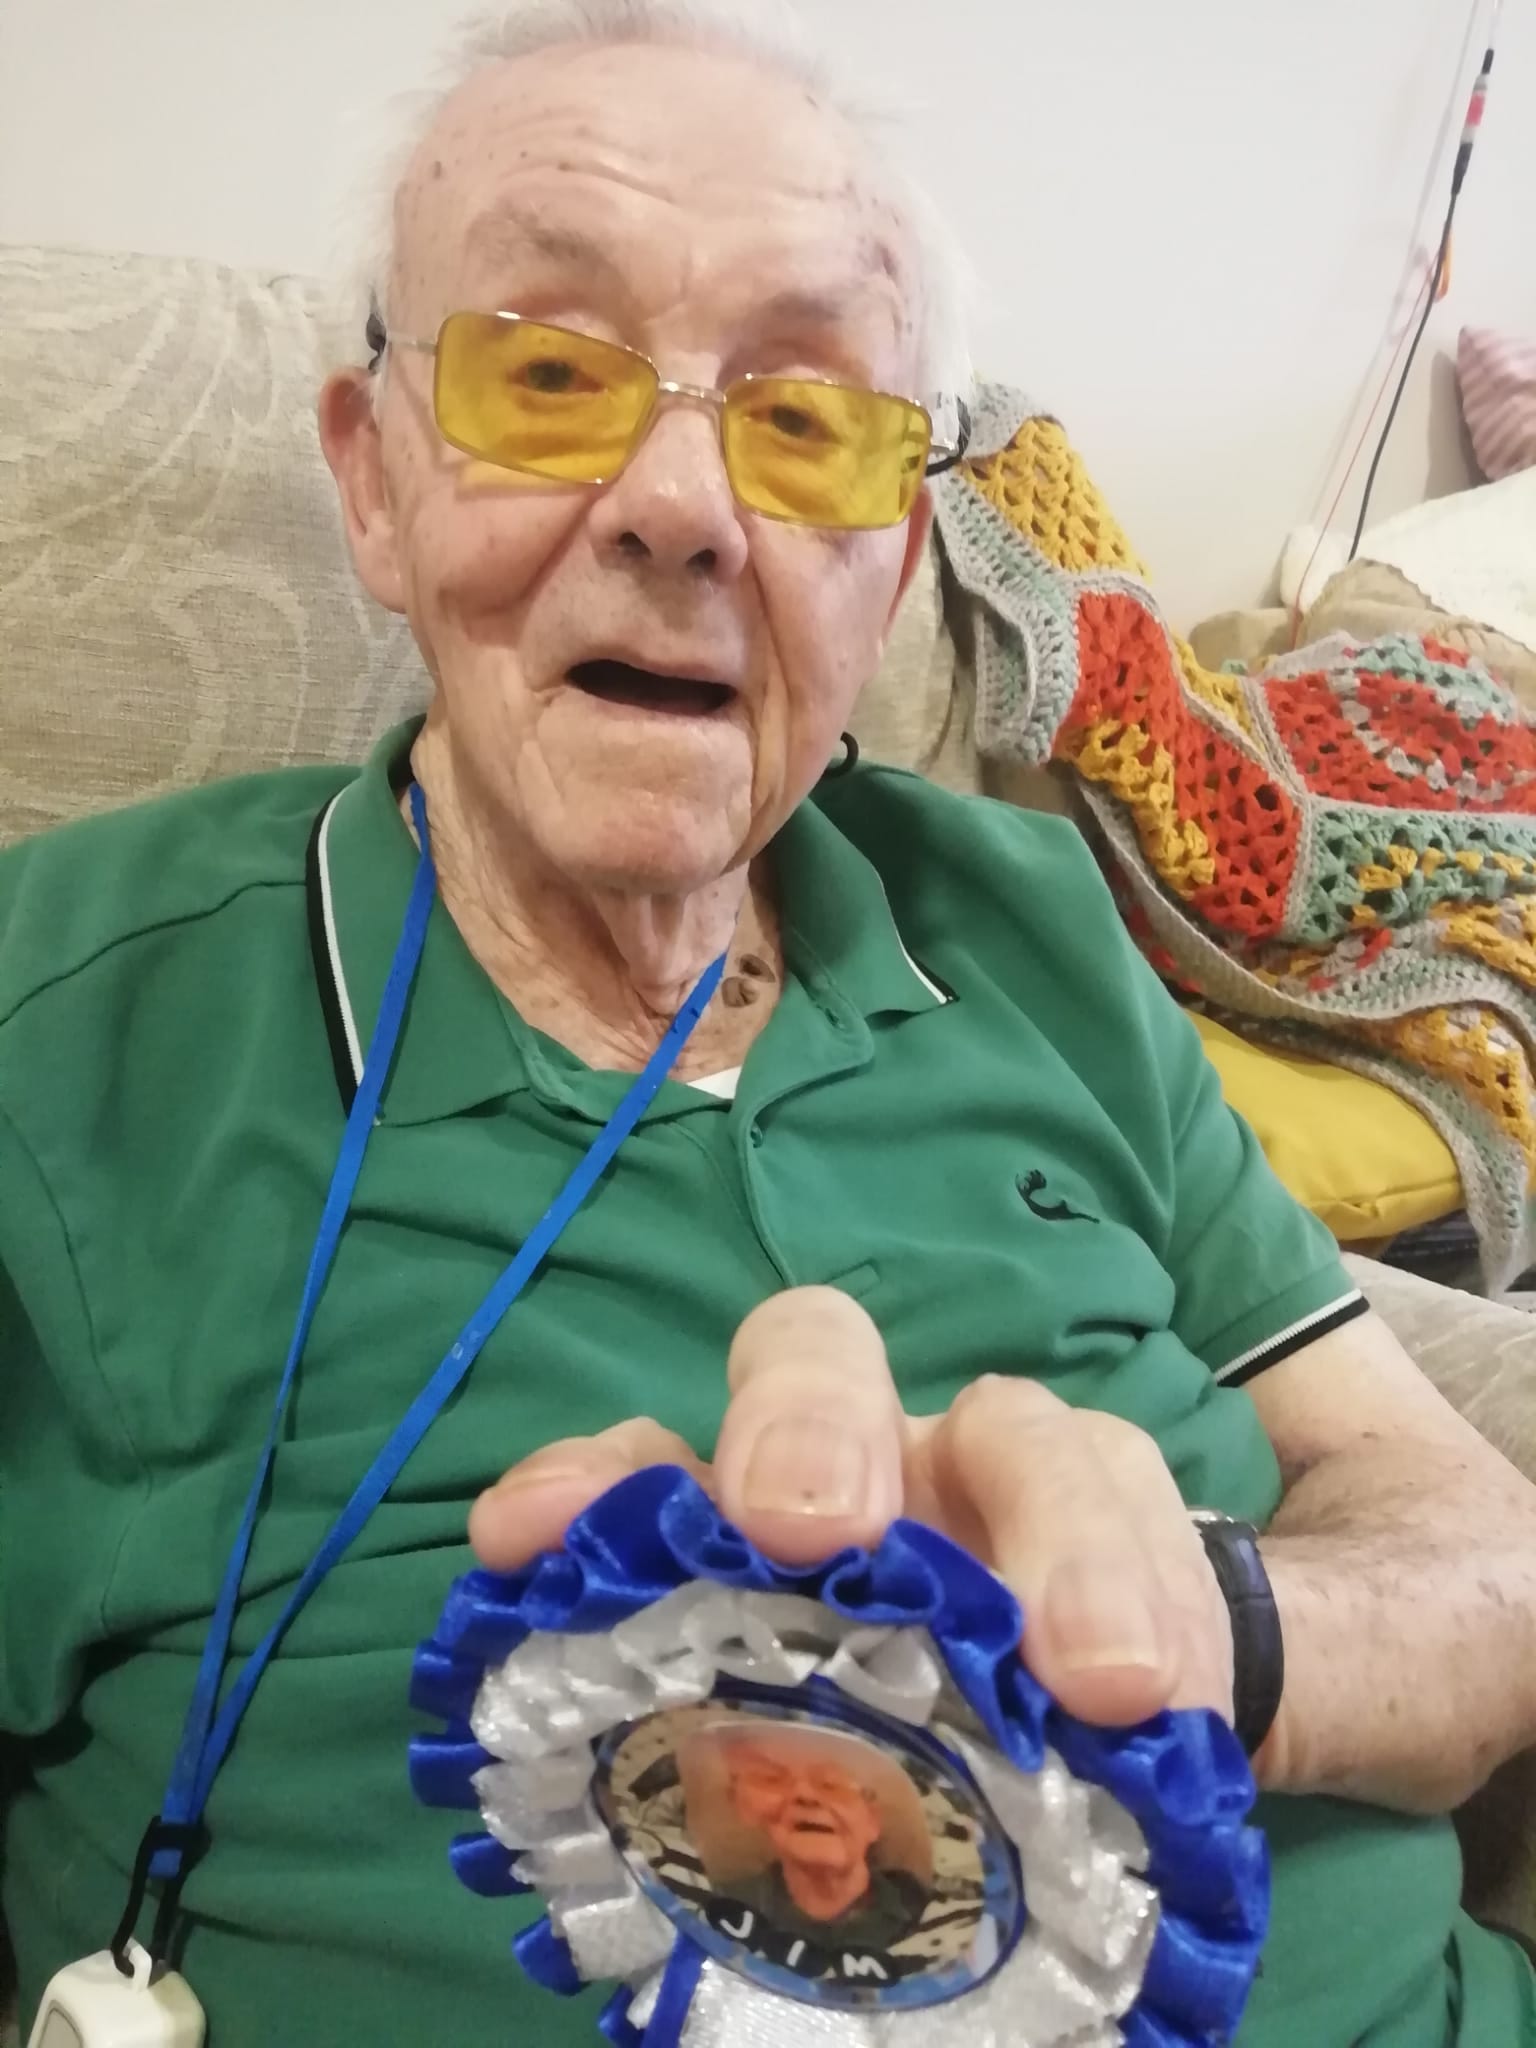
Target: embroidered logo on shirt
<point>1032,1186</point>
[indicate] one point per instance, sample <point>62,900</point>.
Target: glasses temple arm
<point>378,338</point>
<point>946,454</point>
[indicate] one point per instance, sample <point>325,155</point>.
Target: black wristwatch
<point>1258,1650</point>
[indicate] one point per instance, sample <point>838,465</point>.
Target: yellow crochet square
<point>1360,1157</point>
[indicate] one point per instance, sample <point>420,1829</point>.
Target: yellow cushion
<point>1356,1154</point>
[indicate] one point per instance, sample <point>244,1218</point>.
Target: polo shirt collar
<point>839,930</point>
<point>463,1045</point>
<point>457,1049</point>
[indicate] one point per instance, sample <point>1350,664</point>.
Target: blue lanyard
<point>205,1740</point>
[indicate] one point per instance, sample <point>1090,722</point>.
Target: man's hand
<point>1075,1510</point>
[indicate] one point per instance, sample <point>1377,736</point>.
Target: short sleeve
<point>1256,1276</point>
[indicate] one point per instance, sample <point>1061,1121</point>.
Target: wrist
<point>1273,1763</point>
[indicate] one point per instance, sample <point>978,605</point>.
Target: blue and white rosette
<point>1082,1887</point>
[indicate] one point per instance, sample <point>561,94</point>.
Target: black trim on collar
<point>320,955</point>
<point>1283,1347</point>
<point>938,980</point>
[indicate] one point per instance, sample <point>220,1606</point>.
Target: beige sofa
<point>176,604</point>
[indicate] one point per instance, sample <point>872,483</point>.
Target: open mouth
<point>619,682</point>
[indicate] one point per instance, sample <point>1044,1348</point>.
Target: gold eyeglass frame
<point>942,455</point>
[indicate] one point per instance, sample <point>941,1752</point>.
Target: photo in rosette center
<point>806,1853</point>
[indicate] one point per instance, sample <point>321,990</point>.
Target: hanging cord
<point>1298,606</point>
<point>1469,135</point>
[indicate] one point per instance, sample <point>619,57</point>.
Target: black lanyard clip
<point>186,1840</point>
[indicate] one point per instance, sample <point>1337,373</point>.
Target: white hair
<point>764,30</point>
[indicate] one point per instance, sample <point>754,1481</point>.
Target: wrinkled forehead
<point>796,1751</point>
<point>688,197</point>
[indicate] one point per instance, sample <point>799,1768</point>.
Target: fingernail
<point>807,1465</point>
<point>1099,1621</point>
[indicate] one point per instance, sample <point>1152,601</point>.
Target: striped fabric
<point>1498,397</point>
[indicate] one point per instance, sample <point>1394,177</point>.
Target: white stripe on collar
<point>940,995</point>
<point>333,944</point>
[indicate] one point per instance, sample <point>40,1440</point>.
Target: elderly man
<point>640,456</point>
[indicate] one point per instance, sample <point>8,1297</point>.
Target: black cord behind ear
<point>848,763</point>
<point>962,442</point>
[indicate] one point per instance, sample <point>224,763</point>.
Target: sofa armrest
<point>1481,1355</point>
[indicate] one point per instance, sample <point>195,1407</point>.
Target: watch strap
<point>1258,1648</point>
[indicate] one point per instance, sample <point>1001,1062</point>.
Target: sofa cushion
<point>1359,1157</point>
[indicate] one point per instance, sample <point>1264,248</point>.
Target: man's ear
<point>349,434</point>
<point>919,530</point>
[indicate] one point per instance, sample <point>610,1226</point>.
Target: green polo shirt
<point>973,1108</point>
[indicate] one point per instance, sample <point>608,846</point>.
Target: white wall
<point>1190,219</point>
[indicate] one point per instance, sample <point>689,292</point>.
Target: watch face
<point>841,1864</point>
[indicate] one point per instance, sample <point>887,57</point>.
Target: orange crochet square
<point>1217,828</point>
<point>1497,761</point>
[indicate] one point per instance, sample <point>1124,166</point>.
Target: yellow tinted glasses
<point>551,403</point>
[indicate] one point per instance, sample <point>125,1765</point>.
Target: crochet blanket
<point>1336,853</point>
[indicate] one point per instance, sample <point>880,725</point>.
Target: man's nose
<point>671,506</point>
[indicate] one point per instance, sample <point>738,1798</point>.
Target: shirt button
<point>756,1135</point>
